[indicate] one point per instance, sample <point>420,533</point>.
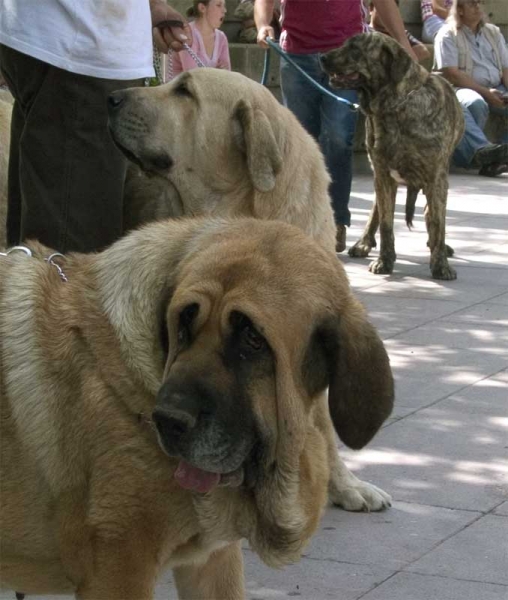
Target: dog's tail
<point>411,195</point>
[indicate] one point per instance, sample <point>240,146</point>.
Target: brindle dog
<point>413,122</point>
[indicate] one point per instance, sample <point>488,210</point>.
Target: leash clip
<point>24,249</point>
<point>50,261</point>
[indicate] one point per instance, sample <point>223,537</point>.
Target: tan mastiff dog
<point>217,143</point>
<point>166,398</point>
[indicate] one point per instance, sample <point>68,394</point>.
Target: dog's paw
<point>381,266</point>
<point>444,272</point>
<point>361,249</point>
<point>360,496</point>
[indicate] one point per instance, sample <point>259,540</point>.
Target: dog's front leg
<point>368,240</point>
<point>120,571</point>
<point>220,578</point>
<point>435,220</point>
<point>385,188</point>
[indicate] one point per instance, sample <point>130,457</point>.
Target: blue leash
<point>284,55</point>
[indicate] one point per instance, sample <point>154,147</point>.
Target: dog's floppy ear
<point>395,59</point>
<point>361,389</point>
<point>264,160</point>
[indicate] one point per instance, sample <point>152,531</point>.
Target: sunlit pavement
<point>443,453</point>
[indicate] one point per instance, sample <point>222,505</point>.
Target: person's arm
<point>460,79</point>
<point>263,15</point>
<point>504,78</point>
<point>167,37</point>
<point>224,60</point>
<point>439,9</point>
<point>421,52</point>
<point>503,53</point>
<point>389,13</point>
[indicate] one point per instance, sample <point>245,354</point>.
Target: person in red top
<point>311,27</point>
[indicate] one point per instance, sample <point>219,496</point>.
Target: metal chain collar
<point>48,259</point>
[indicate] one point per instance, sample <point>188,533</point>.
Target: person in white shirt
<point>61,59</point>
<point>472,56</point>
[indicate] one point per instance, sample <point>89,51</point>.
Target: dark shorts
<point>66,176</point>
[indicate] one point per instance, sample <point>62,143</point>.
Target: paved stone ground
<point>443,453</point>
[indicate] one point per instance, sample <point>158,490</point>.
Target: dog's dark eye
<point>248,336</point>
<point>182,90</point>
<point>252,338</point>
<point>185,320</point>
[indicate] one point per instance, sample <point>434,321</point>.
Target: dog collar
<point>48,259</point>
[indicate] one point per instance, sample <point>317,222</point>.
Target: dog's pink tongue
<point>192,478</point>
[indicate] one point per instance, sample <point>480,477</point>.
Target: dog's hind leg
<point>435,219</point>
<point>386,189</point>
<point>449,250</point>
<point>368,240</point>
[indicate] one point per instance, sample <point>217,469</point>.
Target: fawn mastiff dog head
<point>169,399</point>
<point>215,142</point>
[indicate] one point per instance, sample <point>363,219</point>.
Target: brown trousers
<point>66,177</point>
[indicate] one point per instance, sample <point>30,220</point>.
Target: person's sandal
<point>493,170</point>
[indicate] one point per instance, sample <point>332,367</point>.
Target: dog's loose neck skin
<point>372,103</point>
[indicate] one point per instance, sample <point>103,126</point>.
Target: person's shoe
<point>493,153</point>
<point>493,170</point>
<point>340,239</point>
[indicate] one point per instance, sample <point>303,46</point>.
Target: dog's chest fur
<point>406,134</point>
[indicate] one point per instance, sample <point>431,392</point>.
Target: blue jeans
<point>476,112</point>
<point>330,122</point>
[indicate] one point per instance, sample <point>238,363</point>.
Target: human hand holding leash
<point>266,31</point>
<point>170,29</point>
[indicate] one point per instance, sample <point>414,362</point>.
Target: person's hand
<point>264,32</point>
<point>495,98</point>
<point>166,31</point>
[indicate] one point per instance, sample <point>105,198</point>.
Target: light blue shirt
<point>485,68</point>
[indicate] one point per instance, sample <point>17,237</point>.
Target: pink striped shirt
<point>183,61</point>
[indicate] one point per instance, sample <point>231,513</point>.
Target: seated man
<point>472,55</point>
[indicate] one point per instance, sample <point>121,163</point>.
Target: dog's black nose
<point>173,423</point>
<point>115,99</point>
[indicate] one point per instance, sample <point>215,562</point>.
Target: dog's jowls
<point>413,122</point>
<point>169,400</point>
